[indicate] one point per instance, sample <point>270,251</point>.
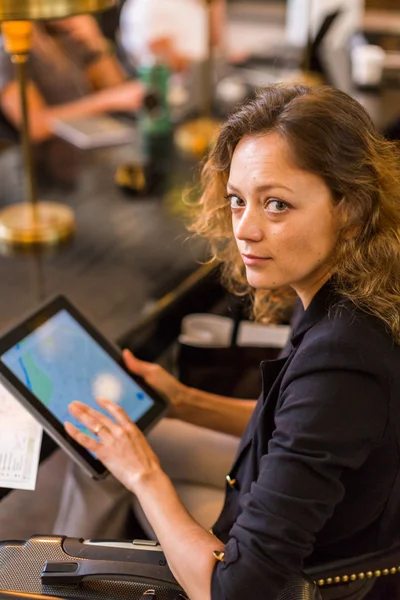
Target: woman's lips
<point>252,260</point>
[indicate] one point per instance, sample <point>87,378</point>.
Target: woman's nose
<point>248,226</point>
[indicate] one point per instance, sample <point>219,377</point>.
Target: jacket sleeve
<point>329,420</point>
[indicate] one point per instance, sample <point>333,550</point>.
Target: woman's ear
<point>348,225</point>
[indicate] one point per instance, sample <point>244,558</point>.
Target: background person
<point>301,191</point>
<point>73,73</point>
<point>175,33</point>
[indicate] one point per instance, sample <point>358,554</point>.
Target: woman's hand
<point>127,96</point>
<point>124,450</point>
<point>164,49</point>
<point>120,446</point>
<point>158,378</point>
<point>227,415</point>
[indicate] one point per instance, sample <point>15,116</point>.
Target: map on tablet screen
<point>60,362</point>
<point>55,356</point>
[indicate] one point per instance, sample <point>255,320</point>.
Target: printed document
<point>20,443</point>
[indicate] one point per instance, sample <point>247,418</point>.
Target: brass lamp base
<point>27,10</point>
<point>46,223</point>
<point>196,137</point>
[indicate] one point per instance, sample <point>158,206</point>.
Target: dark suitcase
<point>54,568</point>
<point>64,567</point>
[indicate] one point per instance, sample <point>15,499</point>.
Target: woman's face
<point>283,217</point>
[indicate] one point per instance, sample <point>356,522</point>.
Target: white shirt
<point>182,21</point>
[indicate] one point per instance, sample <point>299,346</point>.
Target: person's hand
<point>125,97</point>
<point>120,445</point>
<point>164,49</point>
<point>159,379</point>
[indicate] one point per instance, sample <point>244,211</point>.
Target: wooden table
<point>126,254</point>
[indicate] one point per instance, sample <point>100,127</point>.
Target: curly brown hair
<point>332,136</point>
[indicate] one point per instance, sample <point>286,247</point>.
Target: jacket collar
<point>324,299</point>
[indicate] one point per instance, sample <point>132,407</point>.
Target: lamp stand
<point>30,222</point>
<point>195,136</point>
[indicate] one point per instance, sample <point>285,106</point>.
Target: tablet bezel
<point>49,422</point>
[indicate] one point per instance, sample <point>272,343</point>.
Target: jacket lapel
<point>272,372</point>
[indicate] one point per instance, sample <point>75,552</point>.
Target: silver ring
<point>98,428</point>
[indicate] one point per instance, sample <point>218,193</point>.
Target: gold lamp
<point>195,137</point>
<point>35,222</point>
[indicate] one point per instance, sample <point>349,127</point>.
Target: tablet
<point>95,131</point>
<point>56,356</point>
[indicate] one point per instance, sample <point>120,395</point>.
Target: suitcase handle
<point>148,595</point>
<point>9,595</point>
<point>74,571</point>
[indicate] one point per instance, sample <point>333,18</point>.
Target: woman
<point>301,193</point>
<point>73,73</point>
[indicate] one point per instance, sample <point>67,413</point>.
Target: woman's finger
<point>117,412</point>
<point>153,374</point>
<point>139,367</point>
<point>84,440</point>
<point>92,419</point>
<point>131,361</point>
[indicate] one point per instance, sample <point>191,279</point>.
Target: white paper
<point>20,443</point>
<point>215,331</point>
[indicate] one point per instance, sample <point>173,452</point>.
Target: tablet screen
<point>60,362</point>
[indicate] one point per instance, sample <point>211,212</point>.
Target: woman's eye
<point>234,201</point>
<point>276,206</point>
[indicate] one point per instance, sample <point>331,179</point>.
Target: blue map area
<point>60,362</point>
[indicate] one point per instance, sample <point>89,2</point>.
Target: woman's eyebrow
<point>261,188</point>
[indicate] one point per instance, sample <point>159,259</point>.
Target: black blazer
<point>317,476</point>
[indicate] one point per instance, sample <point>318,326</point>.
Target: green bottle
<point>155,118</point>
